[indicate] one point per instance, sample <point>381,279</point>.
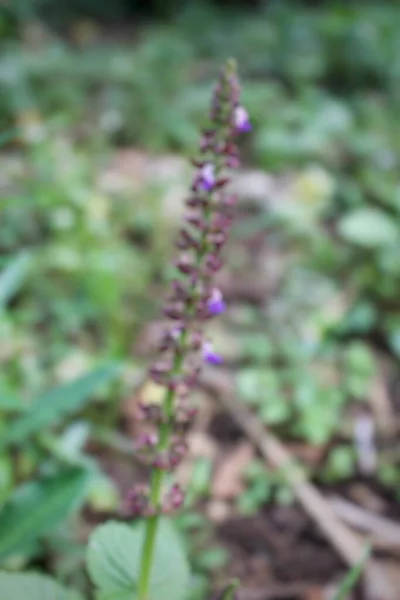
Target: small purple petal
<point>176,332</point>
<point>215,303</point>
<point>210,356</point>
<point>241,120</point>
<point>207,177</point>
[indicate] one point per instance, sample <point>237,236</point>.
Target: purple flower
<point>206,179</point>
<point>194,297</point>
<point>241,120</point>
<point>210,355</point>
<point>215,303</point>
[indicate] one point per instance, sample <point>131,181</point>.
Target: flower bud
<point>241,120</point>
<point>215,302</point>
<point>210,355</point>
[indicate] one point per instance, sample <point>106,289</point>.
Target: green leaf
<point>341,462</point>
<point>56,404</point>
<point>359,359</point>
<point>201,476</point>
<point>352,576</point>
<point>212,558</point>
<point>256,384</point>
<point>10,403</point>
<point>36,507</point>
<point>12,277</point>
<point>230,592</point>
<point>370,228</point>
<point>113,561</point>
<point>274,412</point>
<point>34,586</point>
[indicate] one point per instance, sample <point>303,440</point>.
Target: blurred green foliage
<point>321,85</point>
<point>81,263</point>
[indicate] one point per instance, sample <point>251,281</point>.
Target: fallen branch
<point>348,545</point>
<point>385,533</point>
<point>380,580</point>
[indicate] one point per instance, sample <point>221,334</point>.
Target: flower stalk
<point>194,299</point>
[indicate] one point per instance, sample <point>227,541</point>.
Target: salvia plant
<point>155,568</point>
<point>193,300</point>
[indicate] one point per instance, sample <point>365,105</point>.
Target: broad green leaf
<point>21,586</point>
<point>113,561</point>
<point>56,404</point>
<point>36,507</point>
<point>370,228</point>
<point>12,277</point>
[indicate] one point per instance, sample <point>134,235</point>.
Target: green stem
<point>157,479</point>
<point>147,557</point>
<point>150,536</point>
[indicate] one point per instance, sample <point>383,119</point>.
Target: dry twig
<point>379,578</point>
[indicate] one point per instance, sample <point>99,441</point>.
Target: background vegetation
<point>83,252</point>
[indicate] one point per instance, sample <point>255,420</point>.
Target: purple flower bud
<point>206,178</point>
<point>182,388</point>
<point>196,340</point>
<point>197,221</point>
<point>187,240</point>
<point>176,496</point>
<point>215,303</point>
<point>171,338</point>
<point>185,265</point>
<point>192,377</point>
<point>161,461</point>
<point>217,239</point>
<point>137,502</point>
<point>174,312</point>
<point>213,263</point>
<point>185,411</point>
<point>221,222</point>
<point>233,162</point>
<point>221,181</point>
<point>241,120</point>
<point>159,372</point>
<point>146,441</point>
<point>229,148</point>
<point>180,291</point>
<point>207,140</point>
<point>196,202</point>
<point>173,500</point>
<point>210,355</point>
<point>150,412</point>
